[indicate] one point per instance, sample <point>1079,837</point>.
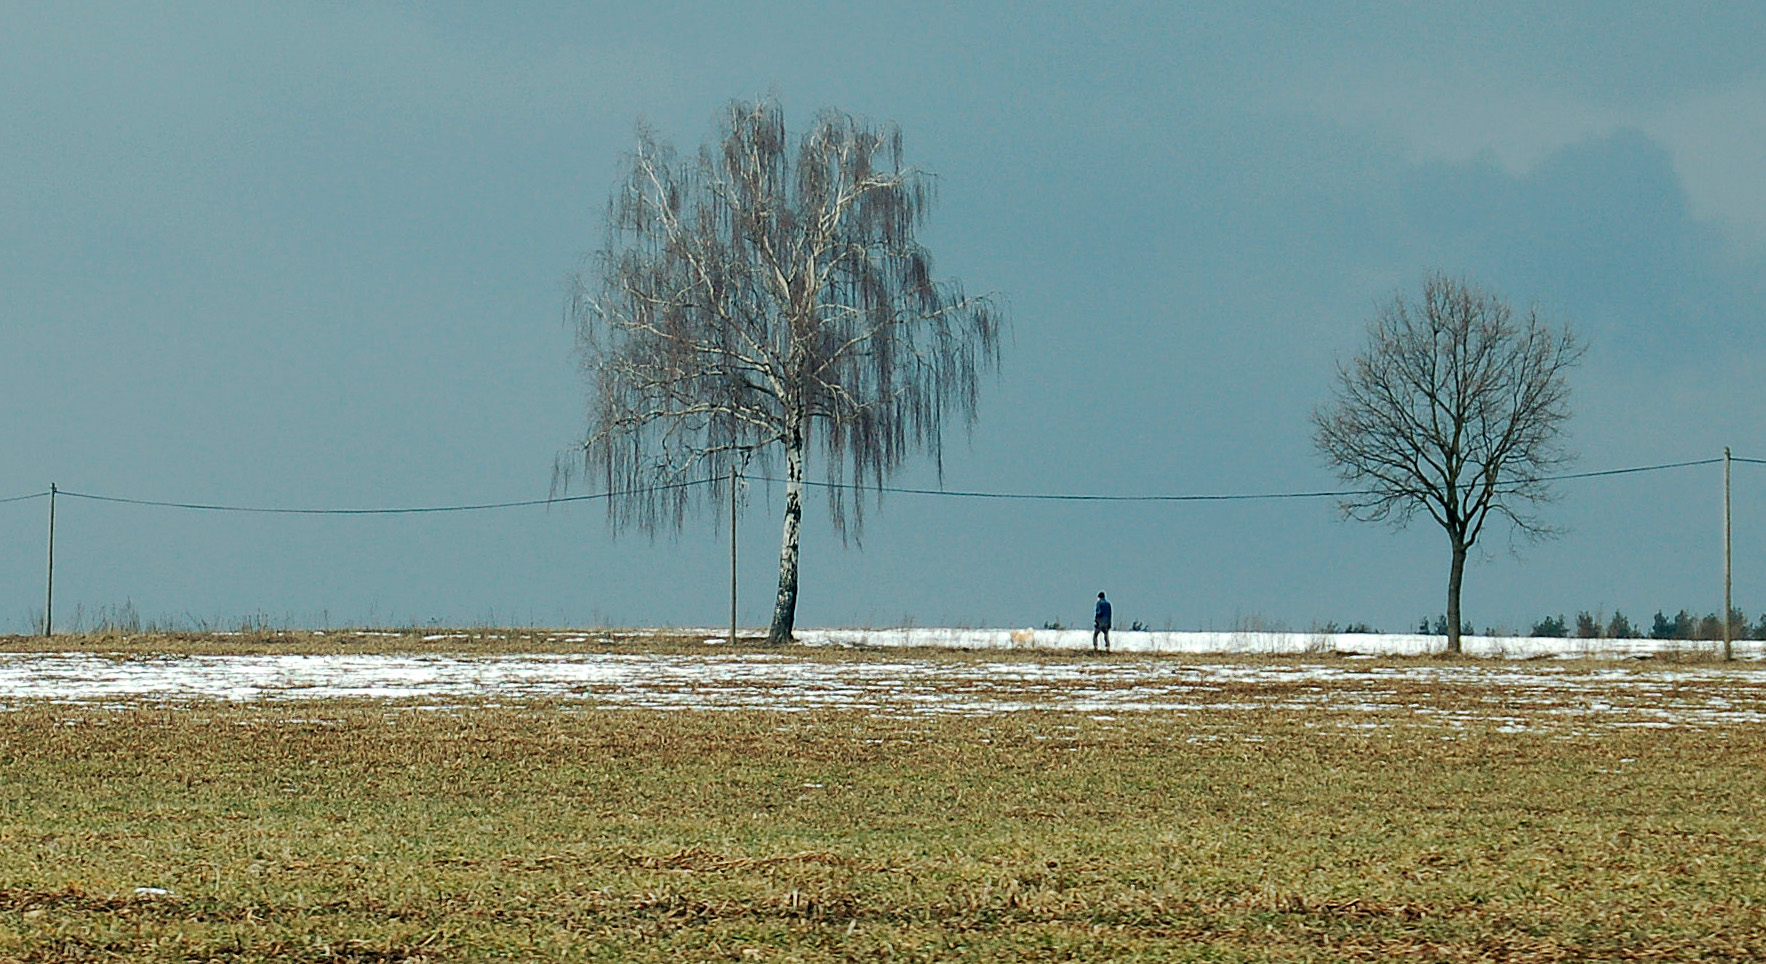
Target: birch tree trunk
<point>785,608</point>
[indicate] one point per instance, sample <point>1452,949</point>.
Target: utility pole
<point>1728,646</point>
<point>732,555</point>
<point>49,600</point>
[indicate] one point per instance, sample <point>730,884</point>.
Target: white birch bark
<point>785,607</point>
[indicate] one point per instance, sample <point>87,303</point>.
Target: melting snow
<point>1513,696</point>
<point>1273,644</point>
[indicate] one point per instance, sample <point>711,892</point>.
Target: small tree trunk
<point>1454,575</point>
<point>785,609</point>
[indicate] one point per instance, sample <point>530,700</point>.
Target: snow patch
<point>1516,696</point>
<point>1272,644</point>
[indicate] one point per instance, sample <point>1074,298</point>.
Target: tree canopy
<point>1455,408</point>
<point>762,299</point>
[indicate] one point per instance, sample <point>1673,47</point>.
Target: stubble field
<point>1113,809</point>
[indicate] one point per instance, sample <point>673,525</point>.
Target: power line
<point>1062,496</point>
<point>1641,468</point>
<point>903,490</point>
<point>400,510</point>
<point>1229,497</point>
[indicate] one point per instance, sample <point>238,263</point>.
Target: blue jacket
<point>1102,614</point>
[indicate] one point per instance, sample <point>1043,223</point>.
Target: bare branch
<point>764,297</point>
<point>1454,408</point>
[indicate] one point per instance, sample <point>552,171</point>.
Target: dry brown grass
<point>389,641</point>
<point>371,831</point>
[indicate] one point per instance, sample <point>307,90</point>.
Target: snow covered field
<point>1369,644</point>
<point>1521,696</point>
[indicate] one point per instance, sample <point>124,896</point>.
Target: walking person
<point>1100,623</point>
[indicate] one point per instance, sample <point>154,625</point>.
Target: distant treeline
<point>1681,625</point>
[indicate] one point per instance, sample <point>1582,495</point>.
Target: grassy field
<point>389,641</point>
<point>374,831</point>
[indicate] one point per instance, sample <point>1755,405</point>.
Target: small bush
<point>1680,627</point>
<point>1332,628</point>
<point>1710,627</point>
<point>1552,627</point>
<point>1439,626</point>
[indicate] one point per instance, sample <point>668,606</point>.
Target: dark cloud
<point>1600,232</point>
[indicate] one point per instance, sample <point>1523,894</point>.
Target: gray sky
<point>314,255</point>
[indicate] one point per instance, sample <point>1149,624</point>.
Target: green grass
<point>377,832</point>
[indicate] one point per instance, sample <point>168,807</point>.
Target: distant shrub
<point>1053,624</point>
<point>1685,625</point>
<point>1138,627</point>
<point>1552,627</point>
<point>1332,628</point>
<point>1439,626</point>
<point>1711,627</point>
<point>1738,625</point>
<point>1681,626</point>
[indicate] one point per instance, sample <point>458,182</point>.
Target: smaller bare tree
<point>1455,408</point>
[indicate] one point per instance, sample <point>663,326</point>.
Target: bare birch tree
<point>764,299</point>
<point>1455,408</point>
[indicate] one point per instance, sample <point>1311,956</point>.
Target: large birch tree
<point>765,300</point>
<point>1455,408</point>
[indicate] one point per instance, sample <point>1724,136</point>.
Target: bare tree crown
<point>1455,407</point>
<point>765,296</point>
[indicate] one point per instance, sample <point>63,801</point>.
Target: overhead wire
<point>1640,468</point>
<point>1065,496</point>
<point>396,510</point>
<point>903,490</point>
<point>1228,497</point>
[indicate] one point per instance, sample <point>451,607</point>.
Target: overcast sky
<point>315,255</point>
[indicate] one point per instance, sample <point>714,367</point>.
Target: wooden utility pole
<point>1728,645</point>
<point>732,555</point>
<point>49,600</point>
